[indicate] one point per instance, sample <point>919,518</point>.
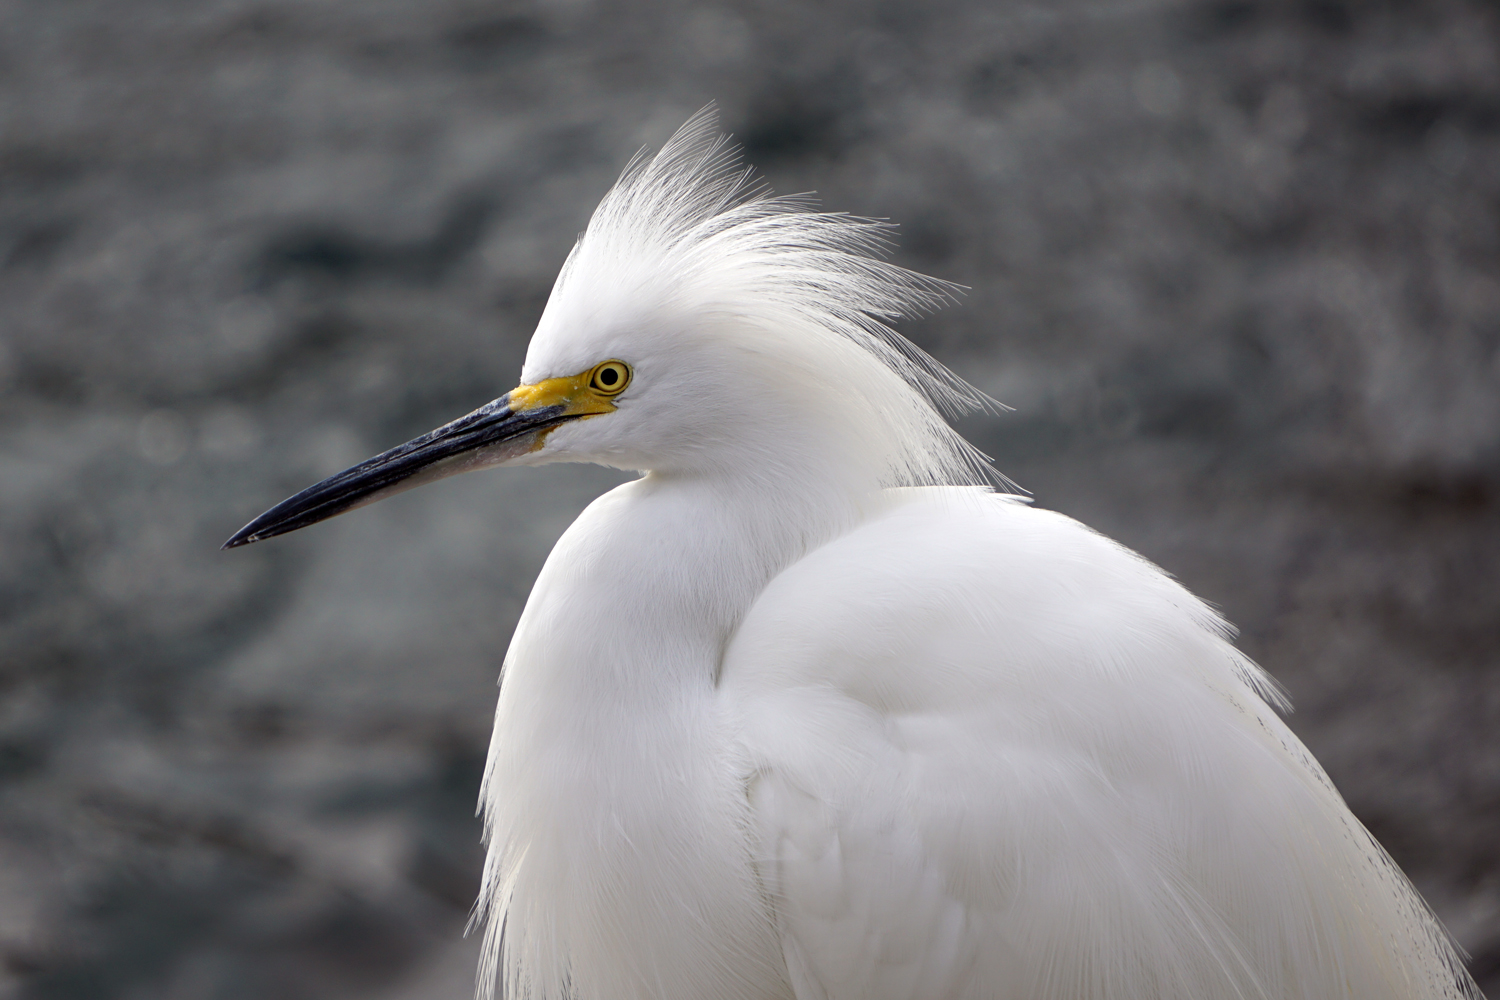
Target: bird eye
<point>610,378</point>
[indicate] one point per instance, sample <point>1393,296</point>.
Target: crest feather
<point>702,227</point>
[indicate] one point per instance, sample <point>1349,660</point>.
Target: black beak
<point>488,436</point>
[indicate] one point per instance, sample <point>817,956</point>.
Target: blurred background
<point>1233,262</point>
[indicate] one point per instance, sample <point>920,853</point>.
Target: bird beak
<point>515,424</point>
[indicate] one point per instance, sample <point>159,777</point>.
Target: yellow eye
<point>610,378</point>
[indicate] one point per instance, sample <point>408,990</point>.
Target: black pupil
<point>609,376</point>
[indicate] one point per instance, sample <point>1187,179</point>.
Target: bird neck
<point>611,816</point>
<point>649,583</point>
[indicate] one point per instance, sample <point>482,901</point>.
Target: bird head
<point>701,326</point>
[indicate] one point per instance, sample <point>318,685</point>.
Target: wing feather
<point>997,756</point>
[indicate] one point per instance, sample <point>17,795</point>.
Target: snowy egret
<point>809,711</point>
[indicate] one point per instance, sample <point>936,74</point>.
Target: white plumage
<point>808,712</point>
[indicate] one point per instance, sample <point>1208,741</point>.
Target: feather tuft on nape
<point>694,227</point>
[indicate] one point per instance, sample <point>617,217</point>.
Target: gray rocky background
<point>1234,263</point>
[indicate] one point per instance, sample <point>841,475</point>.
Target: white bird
<point>809,712</point>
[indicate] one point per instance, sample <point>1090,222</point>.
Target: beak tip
<point>241,537</point>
